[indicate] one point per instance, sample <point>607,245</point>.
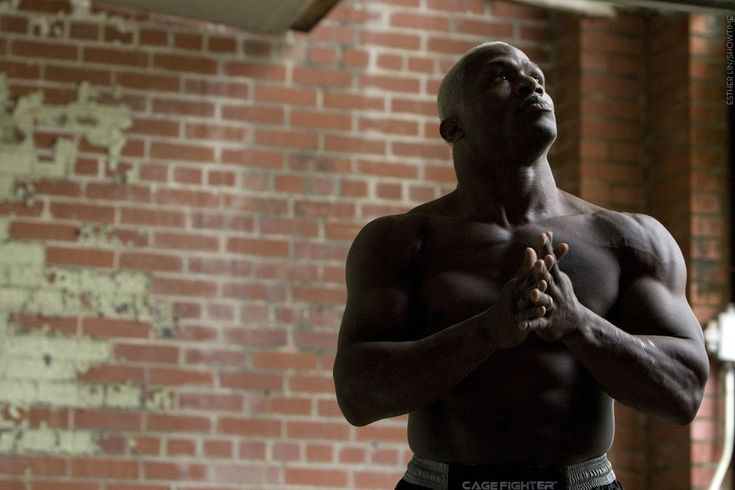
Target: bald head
<point>449,98</point>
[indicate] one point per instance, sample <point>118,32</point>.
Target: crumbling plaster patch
<point>41,367</point>
<point>98,124</point>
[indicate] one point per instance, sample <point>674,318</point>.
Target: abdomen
<point>530,405</point>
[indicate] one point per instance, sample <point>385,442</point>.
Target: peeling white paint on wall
<point>99,124</point>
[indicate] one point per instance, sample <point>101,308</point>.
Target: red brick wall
<point>184,299</point>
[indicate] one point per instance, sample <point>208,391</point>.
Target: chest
<point>464,266</point>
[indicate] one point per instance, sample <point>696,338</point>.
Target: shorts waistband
<point>586,475</point>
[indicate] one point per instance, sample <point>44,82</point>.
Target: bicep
<point>378,294</point>
<point>653,306</point>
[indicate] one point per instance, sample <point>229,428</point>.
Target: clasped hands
<point>539,298</point>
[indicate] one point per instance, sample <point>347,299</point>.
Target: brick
<point>13,24</point>
<point>332,33</point>
<point>107,420</point>
<point>516,11</point>
<point>284,405</point>
<point>216,357</point>
<point>218,449</point>
<point>406,42</point>
<point>118,192</point>
<point>213,87</point>
<point>246,473</point>
<point>254,292</point>
<point>182,107</point>
<point>386,169</point>
<point>223,267</point>
<point>27,230</point>
<point>148,82</point>
<point>58,418</point>
<point>46,49</point>
<point>316,477</point>
<point>83,212</point>
<point>184,287</point>
<point>190,198</point>
<point>284,360</point>
<point>258,48</point>
<point>352,101</point>
<point>319,453</point>
<point>178,471</point>
<point>20,70</point>
<point>251,381</point>
<point>423,22</point>
<point>221,44</point>
<point>146,353</point>
<point>118,57</point>
<point>111,373</point>
<point>291,227</point>
<point>104,468</point>
<point>110,327</point>
<point>287,139</point>
<point>56,485</point>
<point>82,257</point>
<point>179,377</point>
<point>249,427</point>
<point>391,83</point>
<point>259,71</point>
<point>185,241</point>
<point>72,74</point>
<point>285,95</point>
<point>316,340</point>
<point>177,423</point>
<point>178,151</point>
<point>324,55</point>
<point>321,120</point>
<point>211,402</point>
<point>186,63</point>
<point>84,30</point>
<point>321,77</point>
<point>354,144</point>
<point>215,132</point>
<point>152,217</point>
<point>259,247</point>
<point>388,126</point>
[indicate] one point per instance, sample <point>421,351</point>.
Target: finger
<point>530,314</point>
<point>536,324</point>
<point>547,240</point>
<point>562,251</point>
<point>543,275</point>
<point>529,258</point>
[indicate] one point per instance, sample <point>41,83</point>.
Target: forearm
<point>376,380</point>
<point>658,375</point>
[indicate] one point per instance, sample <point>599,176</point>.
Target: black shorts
<point>404,485</point>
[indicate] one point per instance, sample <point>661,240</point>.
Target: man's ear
<point>450,130</point>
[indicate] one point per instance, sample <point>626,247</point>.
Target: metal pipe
<point>727,444</point>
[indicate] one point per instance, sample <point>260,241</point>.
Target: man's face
<point>506,99</point>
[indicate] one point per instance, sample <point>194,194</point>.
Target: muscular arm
<point>653,357</point>
<point>382,368</point>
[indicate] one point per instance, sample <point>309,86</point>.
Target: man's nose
<point>528,85</point>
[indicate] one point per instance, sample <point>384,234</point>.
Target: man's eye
<point>501,77</point>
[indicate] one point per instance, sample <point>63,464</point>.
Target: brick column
<point>643,129</point>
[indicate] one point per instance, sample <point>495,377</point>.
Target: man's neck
<point>511,196</point>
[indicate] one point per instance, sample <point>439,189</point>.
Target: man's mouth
<point>534,103</point>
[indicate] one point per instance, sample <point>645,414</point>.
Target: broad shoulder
<point>637,237</point>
